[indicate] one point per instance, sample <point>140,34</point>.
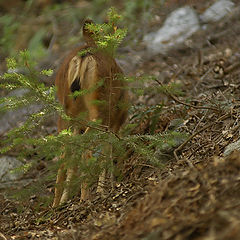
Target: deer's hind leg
<point>107,153</point>
<point>62,189</point>
<point>71,171</point>
<point>85,192</point>
<point>61,177</point>
<point>64,177</point>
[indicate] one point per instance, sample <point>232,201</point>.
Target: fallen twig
<point>183,103</point>
<point>2,236</point>
<point>196,133</point>
<point>232,67</point>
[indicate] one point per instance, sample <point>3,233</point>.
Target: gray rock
<point>231,147</point>
<point>7,166</point>
<point>16,117</point>
<point>217,11</point>
<point>180,25</point>
<point>18,92</point>
<point>15,183</point>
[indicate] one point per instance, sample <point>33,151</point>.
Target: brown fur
<point>87,71</point>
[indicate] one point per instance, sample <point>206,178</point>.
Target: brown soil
<point>196,195</point>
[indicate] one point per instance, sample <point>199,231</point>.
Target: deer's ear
<point>88,36</point>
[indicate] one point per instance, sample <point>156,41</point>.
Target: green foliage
<point>173,88</point>
<point>35,92</point>
<point>148,145</point>
<point>136,15</point>
<point>9,26</point>
<point>66,146</point>
<point>107,36</point>
<point>35,46</point>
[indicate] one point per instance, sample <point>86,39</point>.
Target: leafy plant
<point>25,139</point>
<point>107,35</point>
<point>8,33</point>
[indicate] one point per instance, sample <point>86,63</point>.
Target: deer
<point>82,72</point>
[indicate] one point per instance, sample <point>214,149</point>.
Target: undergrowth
<point>32,145</point>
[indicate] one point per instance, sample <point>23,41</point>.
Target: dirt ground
<point>196,195</point>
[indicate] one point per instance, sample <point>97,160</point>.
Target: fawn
<point>83,72</point>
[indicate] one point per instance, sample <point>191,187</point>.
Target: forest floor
<point>196,194</point>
